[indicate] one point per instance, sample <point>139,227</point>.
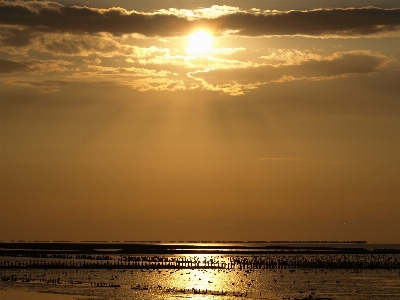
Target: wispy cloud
<point>46,85</point>
<point>237,81</point>
<point>72,44</point>
<point>228,76</point>
<point>36,66</point>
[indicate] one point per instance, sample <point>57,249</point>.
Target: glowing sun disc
<point>200,43</point>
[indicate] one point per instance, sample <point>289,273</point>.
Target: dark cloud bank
<point>54,17</point>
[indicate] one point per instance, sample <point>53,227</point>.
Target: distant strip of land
<point>15,248</point>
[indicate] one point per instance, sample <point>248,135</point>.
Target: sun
<point>199,43</point>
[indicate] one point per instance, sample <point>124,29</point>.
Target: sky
<point>200,120</point>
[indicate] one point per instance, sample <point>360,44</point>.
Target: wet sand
<point>14,294</point>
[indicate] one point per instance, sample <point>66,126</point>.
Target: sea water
<point>343,284</point>
<point>210,284</point>
<point>207,283</point>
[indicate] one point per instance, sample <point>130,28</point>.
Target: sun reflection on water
<point>200,281</point>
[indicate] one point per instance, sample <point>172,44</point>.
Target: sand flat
<point>15,294</point>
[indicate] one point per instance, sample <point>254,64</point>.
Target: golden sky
<point>200,120</point>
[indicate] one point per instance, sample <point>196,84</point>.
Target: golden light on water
<point>197,280</point>
<point>199,43</point>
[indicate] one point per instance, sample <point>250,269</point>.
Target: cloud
<point>38,74</point>
<point>237,81</point>
<point>45,85</point>
<point>101,44</point>
<point>157,84</point>
<point>58,18</point>
<point>15,36</point>
<point>320,22</point>
<point>212,12</point>
<point>228,76</point>
<point>132,72</point>
<point>9,66</point>
<point>49,66</point>
<point>194,62</point>
<point>35,66</point>
<point>227,51</point>
<point>289,56</point>
<point>45,16</point>
<point>20,41</point>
